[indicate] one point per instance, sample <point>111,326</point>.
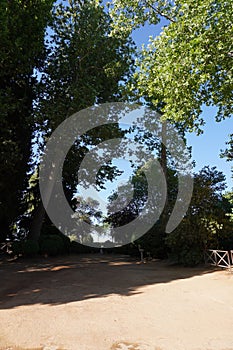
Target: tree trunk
<point>4,229</point>
<point>37,222</point>
<point>164,149</point>
<point>164,167</point>
<point>39,214</point>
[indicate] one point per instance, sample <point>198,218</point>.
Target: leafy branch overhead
<point>190,63</point>
<point>228,153</point>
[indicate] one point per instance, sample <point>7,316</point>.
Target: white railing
<point>221,258</point>
<point>231,257</point>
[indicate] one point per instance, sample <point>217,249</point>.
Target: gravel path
<point>113,303</point>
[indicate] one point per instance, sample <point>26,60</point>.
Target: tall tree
<point>85,66</point>
<point>125,210</point>
<point>23,25</point>
<point>186,66</point>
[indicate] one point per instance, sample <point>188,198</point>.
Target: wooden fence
<point>221,258</point>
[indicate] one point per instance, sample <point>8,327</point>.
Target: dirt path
<point>113,303</point>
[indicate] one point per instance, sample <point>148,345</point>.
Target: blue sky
<point>206,147</point>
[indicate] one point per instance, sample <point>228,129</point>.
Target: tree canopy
<point>190,63</point>
<point>22,51</point>
<point>58,58</point>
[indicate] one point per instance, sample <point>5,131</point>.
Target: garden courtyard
<point>113,302</point>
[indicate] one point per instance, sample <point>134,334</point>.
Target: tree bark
<point>37,222</point>
<point>164,167</point>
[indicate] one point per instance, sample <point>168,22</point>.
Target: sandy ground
<point>113,303</point>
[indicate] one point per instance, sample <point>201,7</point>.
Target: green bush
<point>77,248</point>
<point>51,244</point>
<point>30,247</point>
<point>186,248</point>
<point>154,242</point>
<point>17,248</point>
<point>26,248</point>
<point>49,230</point>
<point>193,256</point>
<point>66,242</point>
<point>127,249</point>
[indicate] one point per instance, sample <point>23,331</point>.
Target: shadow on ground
<point>62,280</point>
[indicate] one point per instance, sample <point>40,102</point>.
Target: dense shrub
<point>153,242</point>
<point>17,248</point>
<point>225,236</point>
<point>77,248</point>
<point>187,247</point>
<point>52,241</point>
<point>128,249</point>
<point>65,241</point>
<point>51,244</point>
<point>30,247</point>
<point>25,248</point>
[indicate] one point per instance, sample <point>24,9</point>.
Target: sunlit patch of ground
<point>113,303</point>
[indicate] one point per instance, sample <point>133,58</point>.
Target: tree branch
<point>159,12</point>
